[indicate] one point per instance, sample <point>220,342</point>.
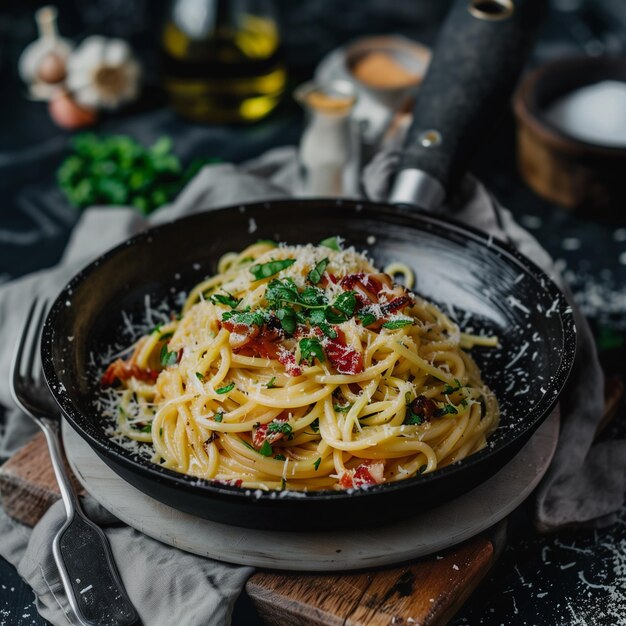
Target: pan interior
<point>482,285</point>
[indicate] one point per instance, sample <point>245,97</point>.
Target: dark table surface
<point>572,577</point>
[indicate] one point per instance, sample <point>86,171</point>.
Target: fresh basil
<point>345,302</point>
<point>316,464</point>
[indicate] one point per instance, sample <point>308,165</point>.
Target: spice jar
<point>329,147</point>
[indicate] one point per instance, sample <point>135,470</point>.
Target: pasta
<point>304,368</point>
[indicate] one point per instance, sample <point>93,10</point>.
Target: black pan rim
<point>205,488</point>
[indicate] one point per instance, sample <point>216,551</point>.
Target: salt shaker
<point>329,148</point>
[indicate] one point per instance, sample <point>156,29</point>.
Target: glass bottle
<point>221,59</point>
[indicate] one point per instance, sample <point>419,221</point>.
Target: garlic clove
<point>51,69</point>
<point>117,52</point>
<point>68,114</point>
<point>48,49</point>
<point>103,73</point>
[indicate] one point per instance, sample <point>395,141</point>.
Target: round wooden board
<point>427,533</point>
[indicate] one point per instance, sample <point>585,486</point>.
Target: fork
<point>80,548</point>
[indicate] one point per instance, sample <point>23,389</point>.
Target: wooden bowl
<point>576,174</point>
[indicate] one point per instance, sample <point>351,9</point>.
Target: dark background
<point>574,577</point>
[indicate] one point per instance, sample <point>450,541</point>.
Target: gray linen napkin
<point>168,586</point>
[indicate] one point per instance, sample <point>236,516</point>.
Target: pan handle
<point>478,57</point>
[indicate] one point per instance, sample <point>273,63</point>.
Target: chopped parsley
<point>400,323</point>
<point>167,357</point>
<point>166,336</point>
<point>161,432</point>
<point>226,299</point>
<point>310,349</point>
<point>246,318</point>
<point>448,389</point>
<point>345,302</point>
<point>270,384</point>
<point>317,463</point>
<point>218,417</point>
<point>280,457</point>
<point>147,428</point>
<point>315,275</point>
<point>280,427</point>
<point>446,409</point>
<point>266,449</point>
<point>156,329</point>
<point>411,418</point>
<point>367,318</point>
<point>315,425</point>
<point>200,376</point>
<point>342,409</point>
<point>265,270</point>
<point>332,243</point>
<point>225,389</point>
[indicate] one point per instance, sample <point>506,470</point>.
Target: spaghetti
<point>304,368</point>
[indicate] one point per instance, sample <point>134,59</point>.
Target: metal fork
<point>81,549</point>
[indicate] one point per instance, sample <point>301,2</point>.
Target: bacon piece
<point>255,341</point>
<point>288,359</point>
<point>366,286</point>
<point>123,370</point>
<point>229,482</point>
<point>397,304</point>
<point>260,433</point>
<point>424,407</point>
<point>367,473</point>
<point>344,358</point>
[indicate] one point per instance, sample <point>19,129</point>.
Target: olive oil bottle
<point>221,59</point>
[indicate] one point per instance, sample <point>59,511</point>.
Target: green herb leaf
<point>316,464</point>
<point>168,358</point>
<point>200,376</point>
<point>310,349</point>
<point>313,298</point>
<point>315,275</point>
<point>448,389</point>
<point>157,329</point>
<point>287,318</point>
<point>315,425</point>
<point>147,428</point>
<point>218,417</point>
<point>401,323</point>
<point>265,270</point>
<point>270,384</point>
<point>342,409</point>
<point>225,389</point>
<point>345,302</point>
<point>279,427</point>
<point>280,457</point>
<point>161,432</point>
<point>166,336</point>
<point>266,449</point>
<point>332,243</point>
<point>367,319</point>
<point>227,300</point>
<point>446,409</point>
<point>246,318</point>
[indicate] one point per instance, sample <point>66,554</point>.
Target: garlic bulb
<point>103,73</point>
<point>67,114</point>
<point>42,64</point>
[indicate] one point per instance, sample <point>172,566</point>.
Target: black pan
<point>482,283</point>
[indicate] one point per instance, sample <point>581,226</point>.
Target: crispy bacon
<point>424,407</point>
<point>255,341</point>
<point>288,359</point>
<point>229,482</point>
<point>260,433</point>
<point>123,370</point>
<point>345,359</point>
<point>367,473</point>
